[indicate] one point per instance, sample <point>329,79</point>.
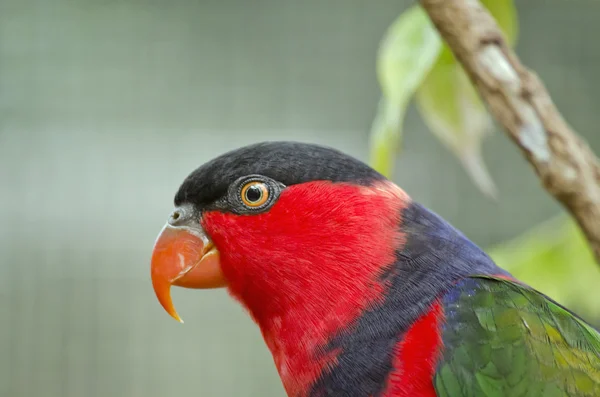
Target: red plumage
<point>289,278</point>
<point>416,357</point>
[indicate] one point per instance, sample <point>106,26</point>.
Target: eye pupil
<point>254,194</point>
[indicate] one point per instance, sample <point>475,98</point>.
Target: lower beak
<point>184,257</point>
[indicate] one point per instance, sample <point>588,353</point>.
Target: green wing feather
<point>502,339</point>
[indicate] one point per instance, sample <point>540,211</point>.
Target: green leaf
<point>407,52</point>
<point>406,55</point>
<point>452,110</point>
<point>412,59</point>
<point>385,136</point>
<point>555,259</point>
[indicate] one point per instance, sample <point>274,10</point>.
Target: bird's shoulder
<point>503,338</point>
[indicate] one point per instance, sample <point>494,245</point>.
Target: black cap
<point>289,163</point>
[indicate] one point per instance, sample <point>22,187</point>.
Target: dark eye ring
<point>254,194</point>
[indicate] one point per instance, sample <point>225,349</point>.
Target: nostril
<point>175,217</point>
<point>180,215</point>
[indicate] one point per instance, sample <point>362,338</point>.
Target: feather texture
<point>502,338</point>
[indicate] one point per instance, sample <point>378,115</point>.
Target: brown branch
<point>517,98</point>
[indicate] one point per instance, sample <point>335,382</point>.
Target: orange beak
<point>185,257</point>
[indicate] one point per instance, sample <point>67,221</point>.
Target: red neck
<point>309,266</point>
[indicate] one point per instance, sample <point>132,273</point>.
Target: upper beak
<point>184,256</point>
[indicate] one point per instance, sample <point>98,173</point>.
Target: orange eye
<point>254,194</point>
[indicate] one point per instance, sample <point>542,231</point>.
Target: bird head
<point>280,225</point>
<point>305,237</point>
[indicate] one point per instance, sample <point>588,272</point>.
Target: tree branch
<point>517,98</point>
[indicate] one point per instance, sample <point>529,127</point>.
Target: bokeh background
<point>105,106</point>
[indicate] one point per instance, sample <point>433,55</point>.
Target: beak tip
<point>175,315</point>
<point>162,289</point>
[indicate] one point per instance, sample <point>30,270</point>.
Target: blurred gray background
<point>105,106</point>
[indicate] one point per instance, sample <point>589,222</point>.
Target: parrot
<point>360,291</point>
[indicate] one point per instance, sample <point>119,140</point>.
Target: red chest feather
<point>416,358</point>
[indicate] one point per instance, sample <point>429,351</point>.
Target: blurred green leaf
<point>407,52</point>
<point>412,59</point>
<point>406,55</point>
<point>452,110</point>
<point>555,259</point>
